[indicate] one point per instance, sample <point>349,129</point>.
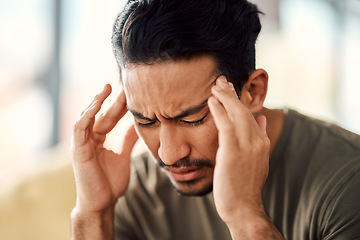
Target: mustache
<point>187,162</point>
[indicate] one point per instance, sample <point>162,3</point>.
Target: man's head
<point>170,53</point>
<point>153,31</point>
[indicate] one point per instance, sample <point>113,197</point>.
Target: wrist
<point>92,225</point>
<point>246,215</point>
<point>252,224</point>
<point>244,210</point>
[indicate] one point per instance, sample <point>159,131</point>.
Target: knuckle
<point>77,124</point>
<point>99,137</point>
<point>257,145</point>
<point>262,144</point>
<point>97,96</point>
<point>267,144</point>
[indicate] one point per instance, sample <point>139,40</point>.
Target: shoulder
<point>309,141</point>
<point>309,126</point>
<point>315,147</point>
<point>315,172</point>
<point>331,176</point>
<point>326,152</point>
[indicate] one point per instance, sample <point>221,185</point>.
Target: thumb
<point>129,141</point>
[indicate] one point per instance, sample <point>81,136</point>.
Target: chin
<point>191,189</point>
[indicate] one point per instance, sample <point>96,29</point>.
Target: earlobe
<point>254,92</point>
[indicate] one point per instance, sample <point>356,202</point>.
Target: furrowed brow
<point>185,113</point>
<point>190,111</point>
<point>139,115</point>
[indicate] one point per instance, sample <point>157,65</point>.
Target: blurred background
<point>55,55</point>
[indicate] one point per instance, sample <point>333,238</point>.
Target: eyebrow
<point>185,113</point>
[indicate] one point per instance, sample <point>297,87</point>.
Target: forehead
<point>169,87</point>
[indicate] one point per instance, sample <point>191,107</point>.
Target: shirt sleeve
<point>341,220</point>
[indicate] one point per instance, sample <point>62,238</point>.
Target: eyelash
<point>193,124</point>
<point>145,125</point>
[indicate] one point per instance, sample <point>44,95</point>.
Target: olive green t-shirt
<point>312,191</point>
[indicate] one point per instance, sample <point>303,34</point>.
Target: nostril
<point>173,144</point>
<point>169,155</point>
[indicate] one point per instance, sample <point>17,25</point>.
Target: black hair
<point>153,31</point>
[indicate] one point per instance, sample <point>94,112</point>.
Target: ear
<point>254,92</point>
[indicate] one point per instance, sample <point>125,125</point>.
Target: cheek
<point>150,138</point>
<point>205,140</point>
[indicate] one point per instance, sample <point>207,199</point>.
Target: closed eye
<point>149,124</point>
<point>188,123</point>
<point>195,123</point>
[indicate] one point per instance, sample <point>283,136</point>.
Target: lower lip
<point>186,176</point>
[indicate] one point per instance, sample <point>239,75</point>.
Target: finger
<point>224,91</point>
<point>83,126</point>
<point>101,96</point>
<point>236,111</point>
<point>224,125</point>
<point>84,123</point>
<point>107,121</point>
<point>129,141</point>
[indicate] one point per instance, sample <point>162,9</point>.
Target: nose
<point>173,144</point>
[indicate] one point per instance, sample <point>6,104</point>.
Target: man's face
<point>169,104</point>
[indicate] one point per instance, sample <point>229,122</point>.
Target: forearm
<point>254,226</point>
<point>99,226</point>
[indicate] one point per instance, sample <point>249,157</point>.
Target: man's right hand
<point>101,175</point>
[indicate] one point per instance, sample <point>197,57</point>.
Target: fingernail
<point>231,86</point>
<point>223,79</point>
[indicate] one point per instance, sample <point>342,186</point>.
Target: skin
<point>168,137</point>
<point>167,101</point>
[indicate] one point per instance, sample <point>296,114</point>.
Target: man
<point>189,79</point>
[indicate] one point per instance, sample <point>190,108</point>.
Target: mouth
<point>184,174</point>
